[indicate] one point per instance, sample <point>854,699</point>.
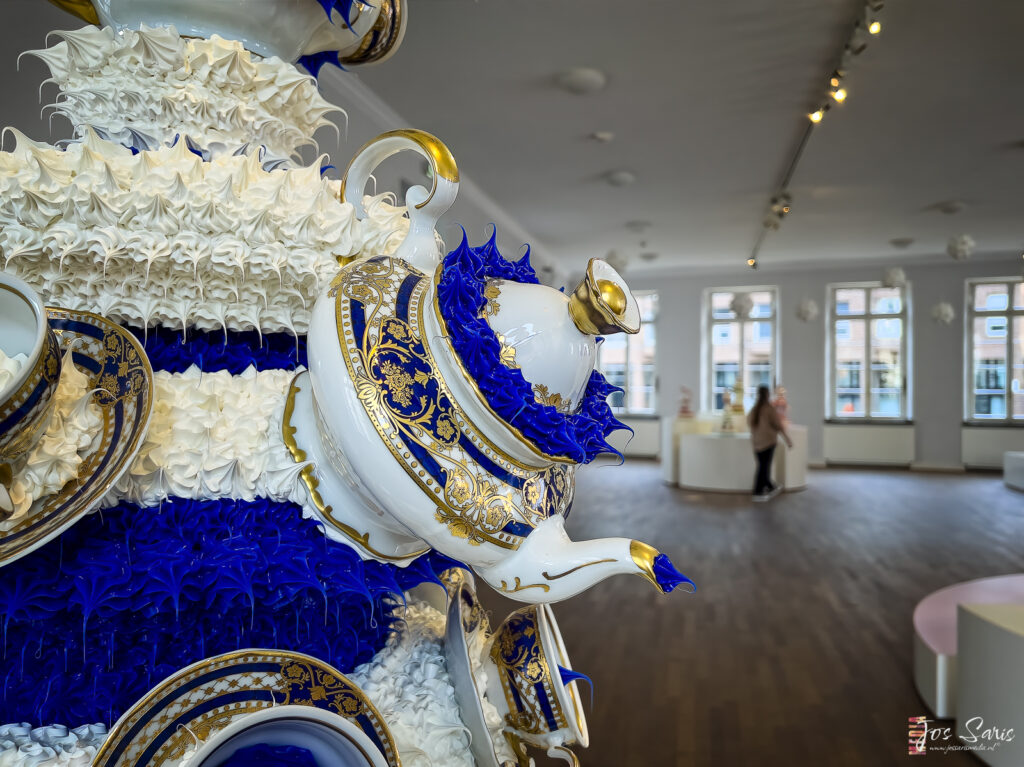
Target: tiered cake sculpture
<point>242,597</point>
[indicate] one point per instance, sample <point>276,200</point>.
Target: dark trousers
<point>763,478</point>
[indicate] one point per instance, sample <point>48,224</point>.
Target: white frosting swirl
<point>71,434</point>
<point>22,745</point>
<point>10,367</point>
<point>408,682</point>
<point>164,238</point>
<point>147,86</point>
<point>214,435</point>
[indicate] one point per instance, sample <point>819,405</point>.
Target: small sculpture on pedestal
<point>737,397</point>
<point>781,404</point>
<point>685,397</point>
<point>727,408</point>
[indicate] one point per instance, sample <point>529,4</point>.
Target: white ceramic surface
<point>22,326</point>
<point>332,739</point>
<point>550,350</point>
<point>284,28</point>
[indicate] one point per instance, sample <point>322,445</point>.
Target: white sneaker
<point>774,492</point>
<point>761,498</point>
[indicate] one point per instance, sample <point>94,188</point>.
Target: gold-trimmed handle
<point>419,248</point>
<point>83,9</point>
<point>6,481</point>
<point>374,152</point>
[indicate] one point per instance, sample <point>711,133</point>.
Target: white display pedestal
<point>991,677</point>
<point>1013,470</point>
<point>724,461</point>
<point>791,463</point>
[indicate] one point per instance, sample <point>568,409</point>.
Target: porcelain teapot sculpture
<point>448,402</point>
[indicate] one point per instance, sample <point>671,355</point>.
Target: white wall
<point>937,354</point>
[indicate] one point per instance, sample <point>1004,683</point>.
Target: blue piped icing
<point>267,755</point>
<point>95,618</point>
<point>235,351</point>
<point>580,436</point>
<point>314,62</point>
<point>667,575</point>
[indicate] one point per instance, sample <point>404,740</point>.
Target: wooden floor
<point>796,649</point>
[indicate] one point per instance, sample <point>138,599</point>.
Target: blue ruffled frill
<point>128,596</point>
<point>211,351</point>
<point>580,436</point>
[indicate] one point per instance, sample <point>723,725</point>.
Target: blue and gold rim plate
<point>200,700</point>
<point>122,382</point>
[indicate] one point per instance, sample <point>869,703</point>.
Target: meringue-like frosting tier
<point>10,367</point>
<point>22,745</point>
<point>161,237</point>
<point>476,645</point>
<point>53,461</point>
<point>156,84</point>
<point>214,435</point>
<point>408,682</point>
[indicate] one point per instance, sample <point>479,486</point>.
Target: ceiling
<point>707,102</point>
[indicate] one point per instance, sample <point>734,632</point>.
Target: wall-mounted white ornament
<point>894,277</point>
<point>960,247</point>
<point>807,310</point>
<point>944,313</point>
<point>741,305</point>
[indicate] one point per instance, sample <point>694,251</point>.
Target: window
<point>995,350</point>
<point>627,361</point>
<point>868,352</point>
<point>738,349</point>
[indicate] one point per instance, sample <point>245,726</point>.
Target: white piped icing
<point>10,367</point>
<point>214,435</point>
<point>155,84</point>
<point>408,682</point>
<point>53,461</point>
<point>22,745</point>
<point>163,237</point>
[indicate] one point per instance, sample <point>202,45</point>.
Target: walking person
<point>765,428</point>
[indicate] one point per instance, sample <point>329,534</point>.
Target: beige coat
<point>769,426</point>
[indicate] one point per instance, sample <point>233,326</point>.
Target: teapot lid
<point>577,437</point>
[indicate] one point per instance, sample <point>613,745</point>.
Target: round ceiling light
<point>602,136</point>
<point>620,177</point>
<point>649,255</point>
<point>582,80</point>
<point>901,242</point>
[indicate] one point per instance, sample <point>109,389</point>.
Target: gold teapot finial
<point>83,9</point>
<point>602,304</point>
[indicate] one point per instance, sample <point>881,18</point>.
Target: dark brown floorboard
<point>796,649</point>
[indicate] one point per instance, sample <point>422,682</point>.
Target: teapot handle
<point>424,208</point>
<point>565,754</point>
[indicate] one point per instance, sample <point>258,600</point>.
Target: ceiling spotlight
<point>752,263</point>
<point>602,136</point>
<point>875,27</point>
<point>816,115</point>
<point>582,80</point>
<point>839,95</point>
<point>620,177</point>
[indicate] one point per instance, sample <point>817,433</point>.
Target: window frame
<point>832,318</point>
<point>972,313</point>
<point>624,411</point>
<point>708,324</point>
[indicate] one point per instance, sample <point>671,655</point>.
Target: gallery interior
<point>352,350</point>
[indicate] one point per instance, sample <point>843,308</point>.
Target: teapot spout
<point>549,567</point>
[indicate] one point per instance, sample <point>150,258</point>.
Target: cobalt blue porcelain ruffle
<point>211,351</point>
<point>128,596</point>
<point>667,575</point>
<point>579,436</point>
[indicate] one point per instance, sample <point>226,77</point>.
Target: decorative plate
<point>120,373</point>
<point>201,700</point>
<point>456,649</point>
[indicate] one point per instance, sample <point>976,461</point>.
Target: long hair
<point>762,401</point>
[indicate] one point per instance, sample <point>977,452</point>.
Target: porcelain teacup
<point>27,394</point>
<point>533,686</point>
